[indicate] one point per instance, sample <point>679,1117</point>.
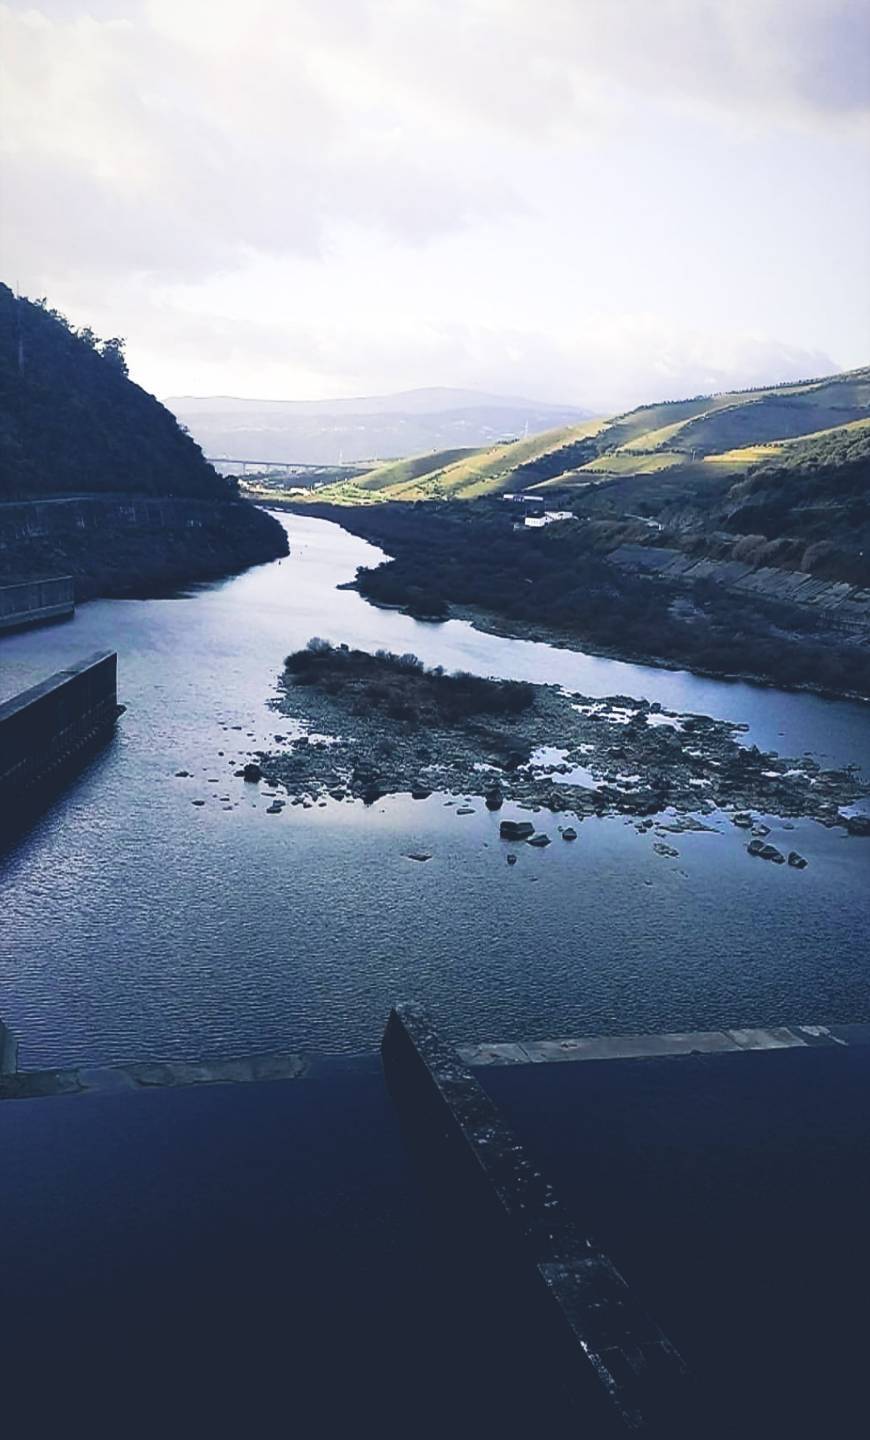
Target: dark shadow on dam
<point>290,1255</point>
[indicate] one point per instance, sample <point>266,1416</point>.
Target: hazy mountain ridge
<point>367,428</point>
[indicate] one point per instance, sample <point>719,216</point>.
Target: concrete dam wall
<point>48,726</point>
<point>33,602</point>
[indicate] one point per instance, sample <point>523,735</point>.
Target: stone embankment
<point>844,609</point>
<point>134,544</point>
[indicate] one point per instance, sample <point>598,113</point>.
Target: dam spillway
<point>51,725</point>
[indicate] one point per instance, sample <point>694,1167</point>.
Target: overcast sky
<point>597,201</point>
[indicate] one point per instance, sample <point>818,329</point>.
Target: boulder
<point>796,861</point>
<point>420,792</point>
<point>512,859</point>
<point>516,829</point>
<point>465,810</point>
<point>371,793</point>
<point>494,799</point>
<point>770,852</point>
<point>539,841</point>
<point>858,825</point>
<point>420,855</point>
<point>742,819</point>
<point>755,847</point>
<point>252,772</point>
<point>569,833</point>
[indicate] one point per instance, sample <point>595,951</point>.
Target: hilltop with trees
<point>73,424</point>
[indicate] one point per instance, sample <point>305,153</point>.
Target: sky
<point>588,201</point>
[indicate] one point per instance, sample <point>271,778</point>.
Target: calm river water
<point>136,924</point>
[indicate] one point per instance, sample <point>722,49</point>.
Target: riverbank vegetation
<point>401,685</point>
<point>561,583</point>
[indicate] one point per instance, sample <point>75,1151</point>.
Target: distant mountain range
<point>362,428</point>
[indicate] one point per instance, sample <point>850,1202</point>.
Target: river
<point>137,924</point>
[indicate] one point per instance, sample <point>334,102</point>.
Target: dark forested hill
<point>72,423</point>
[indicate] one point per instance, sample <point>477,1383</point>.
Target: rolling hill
<point>698,440</point>
<point>728,533</point>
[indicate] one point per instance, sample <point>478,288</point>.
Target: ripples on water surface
<point>137,924</point>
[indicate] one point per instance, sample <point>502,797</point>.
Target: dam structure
<point>51,727</point>
<point>36,602</point>
<point>648,1235</point>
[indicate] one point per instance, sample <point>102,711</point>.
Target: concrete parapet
<point>34,602</point>
<point>46,726</point>
<point>8,1051</point>
<point>625,1375</point>
<point>638,1047</point>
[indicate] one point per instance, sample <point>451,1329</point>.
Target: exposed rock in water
<point>569,833</point>
<point>419,855</point>
<point>796,861</point>
<point>686,765</point>
<point>252,772</point>
<point>539,841</point>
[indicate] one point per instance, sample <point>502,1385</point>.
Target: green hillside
<point>695,440</point>
<point>469,475</point>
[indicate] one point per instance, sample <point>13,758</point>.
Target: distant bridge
<point>288,466</point>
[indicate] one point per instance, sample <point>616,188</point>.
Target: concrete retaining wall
<point>33,602</point>
<point>625,1375</point>
<point>8,1051</point>
<point>44,727</point>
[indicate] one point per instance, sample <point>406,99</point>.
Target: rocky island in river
<point>371,725</point>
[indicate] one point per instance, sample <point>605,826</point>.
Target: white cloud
<point>156,155</point>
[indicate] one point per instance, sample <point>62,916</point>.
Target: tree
<point>113,351</point>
